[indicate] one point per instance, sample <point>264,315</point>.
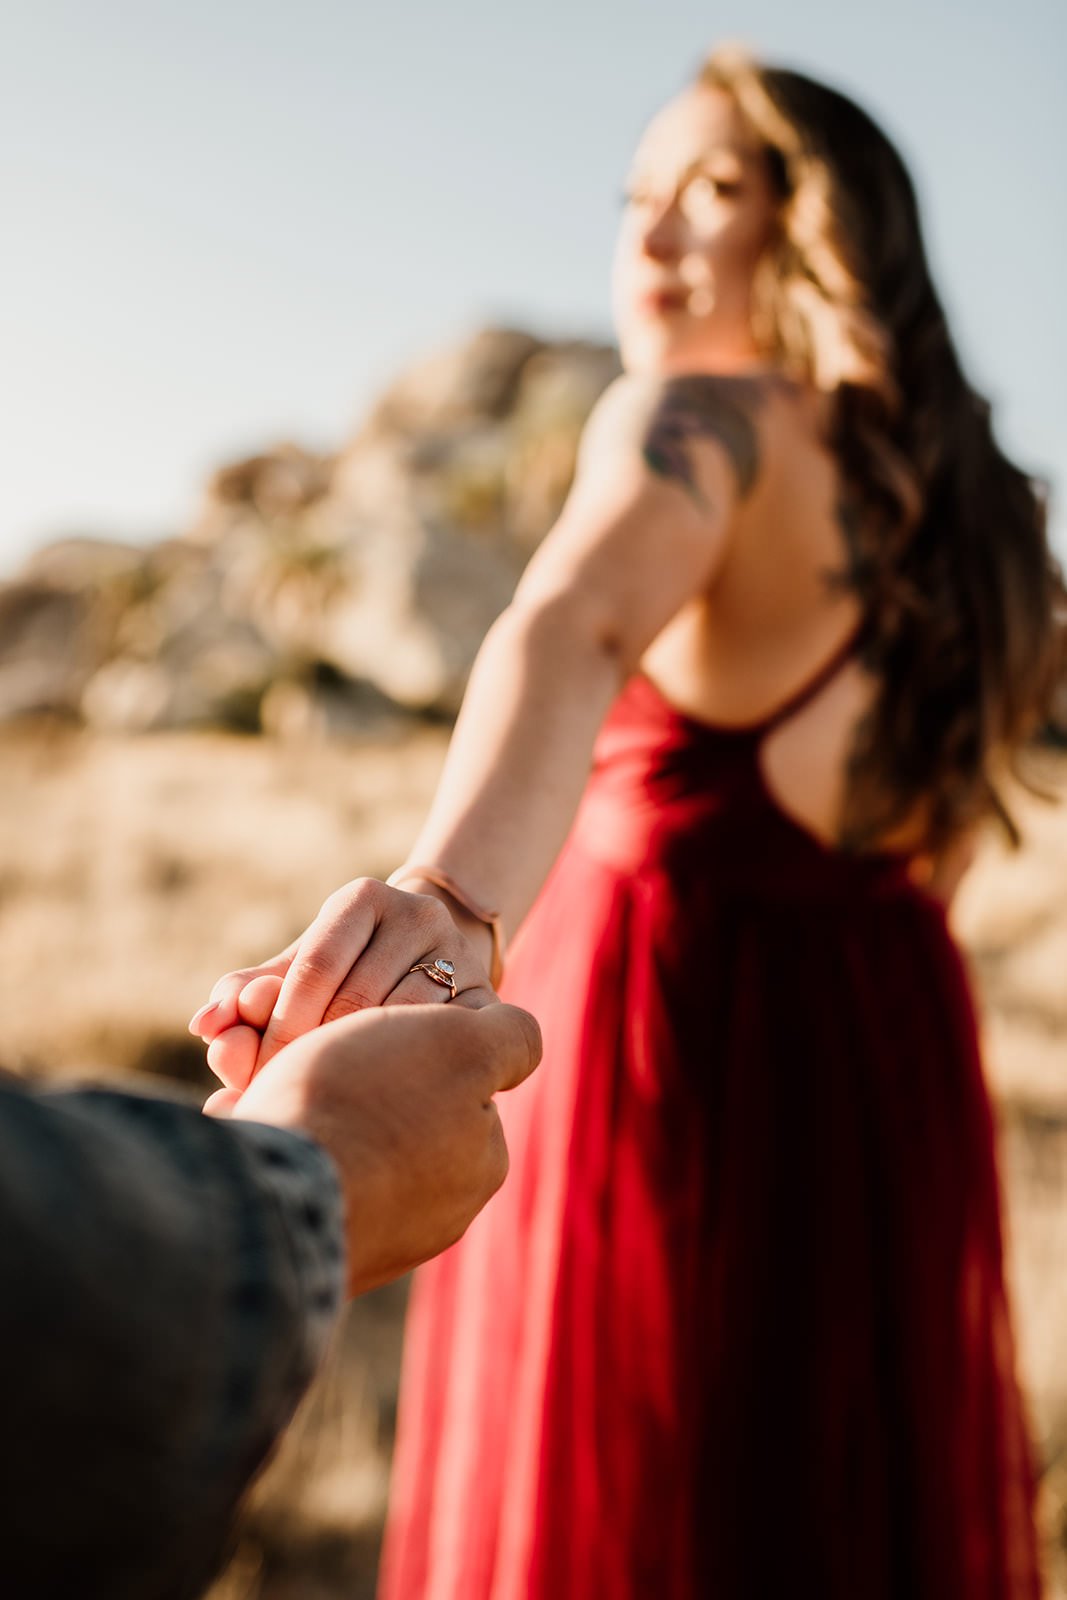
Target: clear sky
<point>228,222</point>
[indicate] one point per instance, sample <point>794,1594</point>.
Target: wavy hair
<point>946,538</point>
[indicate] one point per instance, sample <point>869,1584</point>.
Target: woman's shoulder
<point>681,424</point>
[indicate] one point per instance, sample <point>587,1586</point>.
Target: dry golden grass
<point>134,872</point>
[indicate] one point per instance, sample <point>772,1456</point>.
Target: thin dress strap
<point>811,687</point>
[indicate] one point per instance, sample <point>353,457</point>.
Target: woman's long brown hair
<point>946,538</point>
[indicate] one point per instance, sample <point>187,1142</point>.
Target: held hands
<point>402,1099</point>
<point>357,953</point>
<point>398,1085</point>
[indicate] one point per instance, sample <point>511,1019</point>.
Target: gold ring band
<point>441,971</point>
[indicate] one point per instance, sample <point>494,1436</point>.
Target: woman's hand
<point>356,954</point>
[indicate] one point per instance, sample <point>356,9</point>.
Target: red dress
<point>735,1326</point>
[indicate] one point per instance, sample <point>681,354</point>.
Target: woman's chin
<point>659,347</point>
<point>670,357</point>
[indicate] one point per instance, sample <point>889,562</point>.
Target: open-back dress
<point>735,1327</point>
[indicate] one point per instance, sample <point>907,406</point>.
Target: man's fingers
<point>497,1159</point>
<point>511,1042</point>
<point>501,1045</point>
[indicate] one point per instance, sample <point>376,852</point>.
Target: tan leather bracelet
<point>442,880</point>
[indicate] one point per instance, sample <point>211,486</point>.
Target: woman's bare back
<point>774,615</point>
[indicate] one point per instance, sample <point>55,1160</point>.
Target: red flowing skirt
<point>736,1324</point>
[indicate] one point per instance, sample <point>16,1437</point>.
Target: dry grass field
<point>134,871</point>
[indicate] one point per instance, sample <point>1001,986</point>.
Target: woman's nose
<point>660,240</point>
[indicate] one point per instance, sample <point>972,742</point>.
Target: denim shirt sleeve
<point>168,1285</point>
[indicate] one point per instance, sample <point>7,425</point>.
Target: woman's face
<point>700,210</point>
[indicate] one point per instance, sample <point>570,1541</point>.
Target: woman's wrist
<point>477,932</point>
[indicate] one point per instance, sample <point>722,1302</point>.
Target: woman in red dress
<point>736,1324</point>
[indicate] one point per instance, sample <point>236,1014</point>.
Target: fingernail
<point>198,1018</point>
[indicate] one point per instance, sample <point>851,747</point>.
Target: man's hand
<point>402,1099</point>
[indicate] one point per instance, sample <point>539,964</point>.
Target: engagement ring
<point>441,971</point>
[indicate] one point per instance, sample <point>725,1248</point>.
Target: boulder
<point>221,687</point>
<point>467,382</point>
<point>384,565</point>
<point>320,705</point>
<point>51,641</point>
<point>88,566</point>
<point>276,484</point>
<point>439,502</point>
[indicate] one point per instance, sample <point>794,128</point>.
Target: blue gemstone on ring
<point>447,967</point>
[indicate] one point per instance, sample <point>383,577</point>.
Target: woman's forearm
<point>519,758</point>
<point>632,545</point>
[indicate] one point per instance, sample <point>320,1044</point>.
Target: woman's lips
<point>663,302</point>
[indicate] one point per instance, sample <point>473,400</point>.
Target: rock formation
<point>314,593</point>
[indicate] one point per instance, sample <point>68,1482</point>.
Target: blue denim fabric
<point>168,1285</point>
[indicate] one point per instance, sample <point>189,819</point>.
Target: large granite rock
<point>59,621</point>
<point>312,590</point>
<point>438,503</point>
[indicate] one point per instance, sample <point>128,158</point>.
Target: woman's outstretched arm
<point>662,467</point>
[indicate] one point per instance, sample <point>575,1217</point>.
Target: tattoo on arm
<point>704,407</point>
